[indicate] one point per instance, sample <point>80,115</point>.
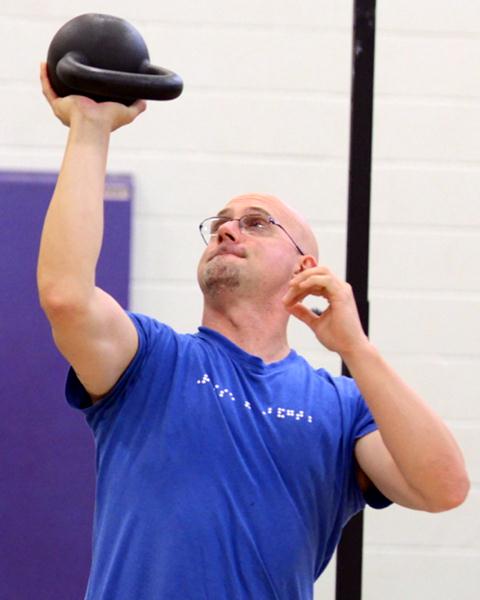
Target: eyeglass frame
<point>269,218</point>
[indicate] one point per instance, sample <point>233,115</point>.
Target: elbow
<point>52,301</point>
<point>459,494</point>
<point>58,301</point>
<point>452,496</point>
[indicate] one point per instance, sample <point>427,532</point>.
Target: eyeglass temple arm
<point>291,238</point>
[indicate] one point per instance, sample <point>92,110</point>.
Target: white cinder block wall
<point>425,278</point>
<point>266,108</point>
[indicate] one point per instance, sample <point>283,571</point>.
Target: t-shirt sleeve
<point>150,332</point>
<point>358,419</point>
<point>360,422</point>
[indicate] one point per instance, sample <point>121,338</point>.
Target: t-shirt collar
<point>255,362</point>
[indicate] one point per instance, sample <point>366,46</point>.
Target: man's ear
<point>307,262</point>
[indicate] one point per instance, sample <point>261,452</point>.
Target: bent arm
<point>413,459</point>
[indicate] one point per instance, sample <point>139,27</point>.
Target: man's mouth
<point>232,249</point>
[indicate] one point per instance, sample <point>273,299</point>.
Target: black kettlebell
<point>105,58</point>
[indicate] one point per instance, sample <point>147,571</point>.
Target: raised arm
<point>89,327</point>
<point>413,458</point>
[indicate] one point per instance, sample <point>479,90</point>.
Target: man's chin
<point>220,276</point>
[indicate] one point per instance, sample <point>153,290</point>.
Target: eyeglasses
<point>252,224</point>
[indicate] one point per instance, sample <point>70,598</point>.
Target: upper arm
<point>99,341</point>
<point>377,464</point>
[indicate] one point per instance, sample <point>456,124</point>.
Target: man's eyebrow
<point>226,212</point>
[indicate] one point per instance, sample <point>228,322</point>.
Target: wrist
<point>84,129</point>
<point>361,351</point>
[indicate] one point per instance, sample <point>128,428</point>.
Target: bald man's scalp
<point>296,225</point>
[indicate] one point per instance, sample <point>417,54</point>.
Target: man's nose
<point>229,229</point>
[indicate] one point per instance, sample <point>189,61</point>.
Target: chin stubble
<point>220,277</point>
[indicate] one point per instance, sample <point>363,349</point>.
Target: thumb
<point>303,313</point>
<point>139,106</point>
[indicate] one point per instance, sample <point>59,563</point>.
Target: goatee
<point>220,277</point>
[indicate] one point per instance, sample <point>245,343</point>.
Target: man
<point>227,466</point>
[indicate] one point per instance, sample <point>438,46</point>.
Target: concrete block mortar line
<point>248,26</point>
<point>423,294</point>
<point>187,155</point>
<point>433,99</point>
<point>227,155</point>
<point>471,424</point>
<point>443,358</point>
<point>434,164</point>
<point>172,218</point>
<point>205,24</point>
<point>416,229</point>
<point>379,163</point>
<point>416,550</point>
<point>308,94</point>
<point>440,359</point>
<point>188,23</point>
<point>387,32</point>
<point>335,227</point>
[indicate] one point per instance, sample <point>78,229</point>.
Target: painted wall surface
<point>266,108</point>
<point>47,456</point>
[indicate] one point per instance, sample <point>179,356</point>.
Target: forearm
<point>73,229</point>
<point>421,445</point>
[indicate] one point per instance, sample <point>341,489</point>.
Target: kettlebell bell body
<point>105,58</point>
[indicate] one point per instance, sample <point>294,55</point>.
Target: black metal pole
<point>349,553</point>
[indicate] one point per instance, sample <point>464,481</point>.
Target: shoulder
<point>154,333</point>
<point>356,416</point>
<point>344,388</point>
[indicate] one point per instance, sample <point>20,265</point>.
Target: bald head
<point>288,217</point>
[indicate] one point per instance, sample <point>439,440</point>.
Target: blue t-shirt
<point>219,477</point>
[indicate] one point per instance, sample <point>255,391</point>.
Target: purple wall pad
<point>47,464</point>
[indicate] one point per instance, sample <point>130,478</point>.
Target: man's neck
<point>259,330</point>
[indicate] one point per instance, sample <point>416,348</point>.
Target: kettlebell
<point>105,58</point>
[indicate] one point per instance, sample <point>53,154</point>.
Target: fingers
<point>316,285</point>
<point>304,314</point>
<point>116,115</point>
<point>123,115</point>
<point>317,281</point>
<point>47,89</point>
<point>134,110</point>
<point>306,273</point>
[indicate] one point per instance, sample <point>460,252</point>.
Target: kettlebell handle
<point>153,83</point>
